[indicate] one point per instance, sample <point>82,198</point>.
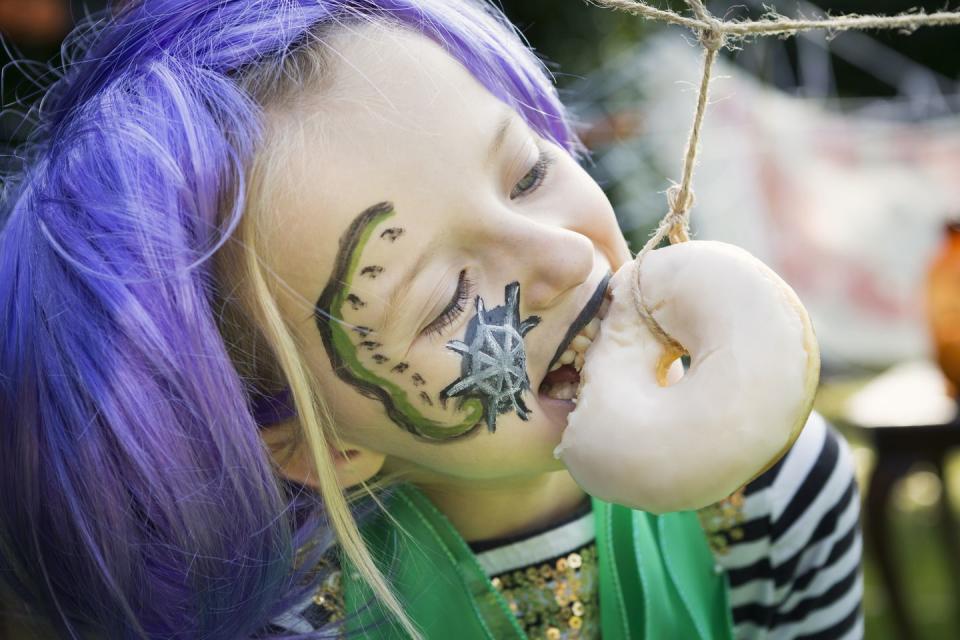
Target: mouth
<point>562,380</point>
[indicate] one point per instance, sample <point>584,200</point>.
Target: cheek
<point>420,375</point>
<point>517,448</point>
<point>379,385</point>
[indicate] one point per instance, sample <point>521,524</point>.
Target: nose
<point>547,260</point>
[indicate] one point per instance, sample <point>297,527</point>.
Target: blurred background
<point>836,160</point>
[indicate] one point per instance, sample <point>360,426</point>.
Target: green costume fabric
<point>656,578</point>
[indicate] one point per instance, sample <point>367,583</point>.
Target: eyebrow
<point>500,133</point>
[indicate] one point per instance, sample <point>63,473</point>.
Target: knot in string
<point>711,32</point>
<point>680,200</point>
<point>713,38</point>
<point>676,225</point>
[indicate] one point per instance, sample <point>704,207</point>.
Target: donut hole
<point>667,373</point>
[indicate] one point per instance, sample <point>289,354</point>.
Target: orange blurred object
<point>943,304</point>
<point>34,21</point>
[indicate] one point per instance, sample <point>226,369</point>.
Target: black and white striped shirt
<point>795,572</point>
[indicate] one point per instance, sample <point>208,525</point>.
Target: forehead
<point>397,120</point>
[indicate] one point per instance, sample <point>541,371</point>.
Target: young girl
<point>267,252</point>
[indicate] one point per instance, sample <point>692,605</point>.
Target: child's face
<point>415,194</point>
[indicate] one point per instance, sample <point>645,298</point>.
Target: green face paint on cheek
<point>343,351</point>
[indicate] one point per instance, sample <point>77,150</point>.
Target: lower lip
<point>556,410</point>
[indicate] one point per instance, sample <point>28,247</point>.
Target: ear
<point>355,464</point>
<point>352,464</point>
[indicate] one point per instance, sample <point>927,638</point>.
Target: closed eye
<point>454,308</point>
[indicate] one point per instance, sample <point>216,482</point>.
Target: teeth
<point>580,343</point>
<point>592,328</point>
<point>564,391</point>
<point>578,346</point>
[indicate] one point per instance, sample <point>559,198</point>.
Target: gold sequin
<point>560,595</point>
<point>329,597</point>
<point>721,521</point>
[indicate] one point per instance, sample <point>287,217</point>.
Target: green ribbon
<point>657,578</point>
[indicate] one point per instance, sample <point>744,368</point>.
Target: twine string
<point>773,24</point>
<point>713,35</point>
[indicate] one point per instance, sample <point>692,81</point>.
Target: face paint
<point>392,233</point>
<point>494,366</point>
<point>339,338</point>
<point>371,272</point>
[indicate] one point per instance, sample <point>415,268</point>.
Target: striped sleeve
<point>793,560</point>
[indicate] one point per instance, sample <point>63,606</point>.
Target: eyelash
<point>456,307</point>
<point>539,173</point>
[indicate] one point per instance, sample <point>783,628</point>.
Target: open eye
<point>534,178</point>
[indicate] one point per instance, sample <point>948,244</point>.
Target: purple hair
<point>137,498</point>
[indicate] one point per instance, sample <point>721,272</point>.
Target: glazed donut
<point>645,434</point>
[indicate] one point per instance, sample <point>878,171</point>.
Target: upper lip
<point>586,314</point>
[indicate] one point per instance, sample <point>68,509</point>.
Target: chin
<point>539,435</point>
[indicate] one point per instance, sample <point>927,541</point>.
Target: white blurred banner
<point>846,207</point>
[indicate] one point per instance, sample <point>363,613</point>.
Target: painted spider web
<point>494,366</point>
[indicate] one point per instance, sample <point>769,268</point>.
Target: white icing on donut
<point>669,445</point>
